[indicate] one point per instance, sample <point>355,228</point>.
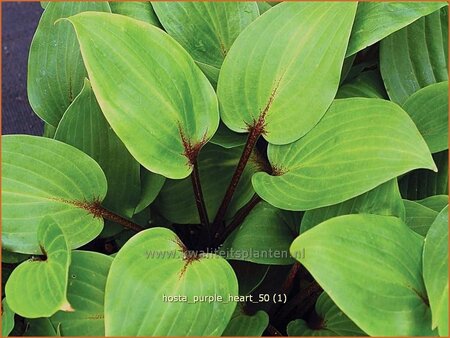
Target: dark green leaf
<point>419,217</point>
<point>139,10</point>
<point>367,84</point>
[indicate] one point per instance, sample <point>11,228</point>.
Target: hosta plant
<point>231,168</point>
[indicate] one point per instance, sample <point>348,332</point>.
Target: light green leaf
<point>383,200</point>
<point>435,271</point>
<point>152,93</point>
<point>367,84</point>
<point>428,108</point>
<point>153,264</point>
<point>418,217</point>
<point>176,201</point>
<point>369,260</point>
<point>243,325</point>
<point>30,285</point>
<point>376,20</point>
<point>249,275</point>
<point>343,156</point>
<point>7,319</point>
<point>332,321</point>
<point>151,185</point>
<point>55,68</point>
<point>264,236</point>
<point>41,177</point>
<point>276,67</point>
<point>206,29</point>
<point>415,56</point>
<point>226,138</point>
<point>139,10</point>
<point>436,203</point>
<point>86,294</point>
<point>84,127</point>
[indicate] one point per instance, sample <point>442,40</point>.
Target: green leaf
<point>40,327</point>
<point>276,67</point>
<point>264,236</point>
<point>30,285</point>
<point>7,319</point>
<point>435,271</point>
<point>12,257</point>
<point>55,68</point>
<point>332,321</point>
<point>415,56</point>
<point>206,29</point>
<point>421,183</point>
<point>152,93</point>
<point>49,130</point>
<point>86,294</point>
<point>382,200</point>
<point>226,138</point>
<point>84,127</point>
<point>376,20</point>
<point>367,84</point>
<point>156,264</point>
<point>263,6</point>
<point>249,275</point>
<point>243,325</point>
<point>428,108</point>
<point>41,177</point>
<point>137,10</point>
<point>151,185</point>
<point>371,261</point>
<point>418,217</point>
<point>343,156</point>
<point>436,203</point>
<point>176,201</point>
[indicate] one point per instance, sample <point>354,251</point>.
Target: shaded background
<point>19,21</point>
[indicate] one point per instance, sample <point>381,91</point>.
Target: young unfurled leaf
<point>376,20</point>
<point>418,217</point>
<point>369,260</point>
<point>343,156</point>
<point>243,325</point>
<point>279,63</point>
<point>415,56</point>
<point>140,10</point>
<point>206,29</point>
<point>435,271</point>
<point>428,108</point>
<point>43,177</point>
<point>153,95</point>
<point>55,67</point>
<point>151,269</point>
<point>38,287</point>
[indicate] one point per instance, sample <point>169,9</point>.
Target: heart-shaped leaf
<point>55,67</point>
<point>343,156</point>
<point>38,287</point>
<point>367,84</point>
<point>42,177</point>
<point>264,236</point>
<point>436,203</point>
<point>84,127</point>
<point>274,70</point>
<point>376,20</point>
<point>152,93</point>
<point>243,325</point>
<point>428,108</point>
<point>370,260</point>
<point>329,320</point>
<point>415,56</point>
<point>435,271</point>
<point>206,29</point>
<point>418,217</point>
<point>86,294</point>
<point>151,269</point>
<point>137,10</point>
<point>7,319</point>
<point>383,200</point>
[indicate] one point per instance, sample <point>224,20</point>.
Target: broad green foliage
<point>151,185</point>
<point>379,260</point>
<point>152,94</point>
<point>226,138</point>
<point>156,263</point>
<point>419,217</point>
<point>435,271</point>
<point>264,236</point>
<point>7,319</point>
<point>55,68</point>
<point>243,325</point>
<point>176,202</point>
<point>137,10</point>
<point>332,321</point>
<point>30,285</point>
<point>367,84</point>
<point>343,156</point>
<point>436,203</point>
<point>43,177</point>
<point>206,30</point>
<point>376,20</point>
<point>276,67</point>
<point>383,200</point>
<point>428,108</point>
<point>84,127</point>
<point>415,56</point>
